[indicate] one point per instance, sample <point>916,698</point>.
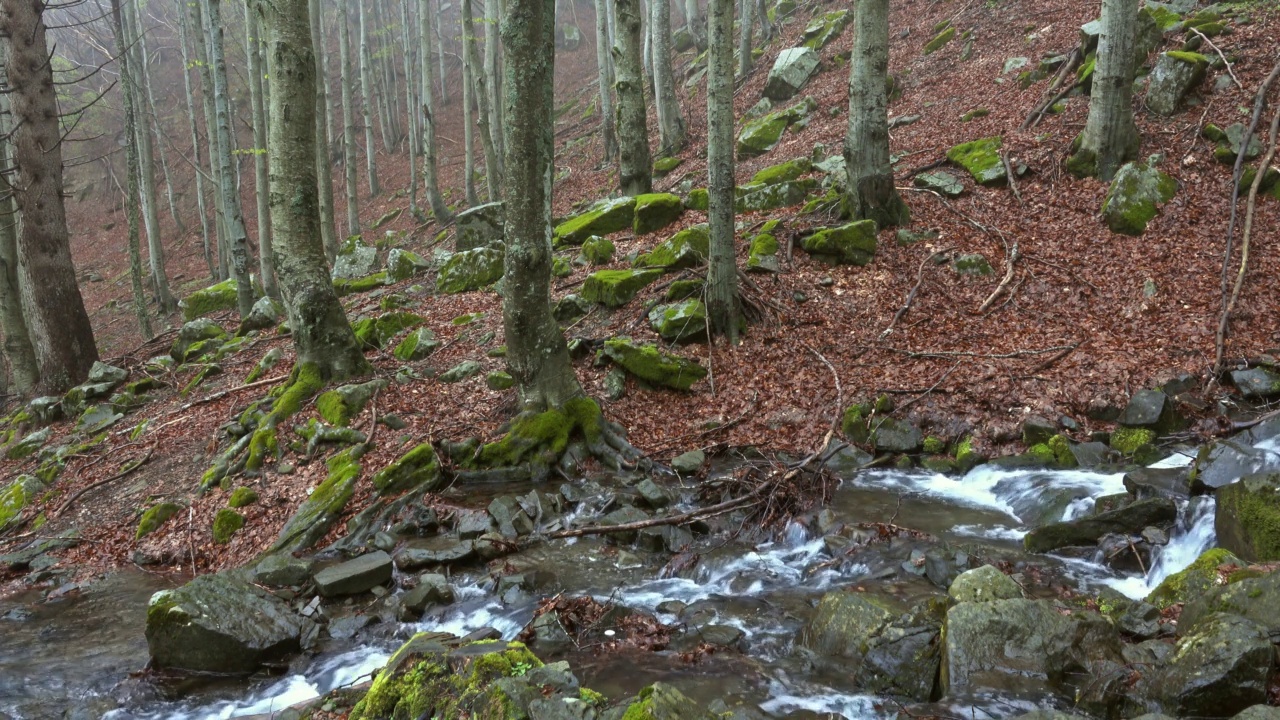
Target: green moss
<point>610,217</point>
<point>542,438</point>
<point>974,114</point>
<point>415,468</point>
<point>242,497</point>
<point>15,497</point>
<point>854,423</point>
<point>1042,453</point>
<point>365,284</point>
<point>305,382</point>
<point>966,458</point>
<point>939,41</point>
<point>209,300</point>
<point>684,289</point>
<point>686,249</point>
<point>1191,58</point>
<point>226,524</point>
<point>851,244</point>
<point>154,517</point>
<point>1253,507</point>
<point>1197,579</point>
<point>662,166</point>
<point>652,365</point>
<point>764,244</point>
<point>1083,164</point>
<point>1129,440</point>
<point>615,288</point>
<point>655,211</point>
<point>591,697</point>
<point>1061,448</point>
<point>934,445</point>
<point>333,409</point>
<point>982,159</point>
<point>783,172</point>
<point>698,199</point>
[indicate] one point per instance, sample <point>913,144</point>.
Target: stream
<point>77,652</point>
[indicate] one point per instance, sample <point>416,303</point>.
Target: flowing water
<point>75,650</point>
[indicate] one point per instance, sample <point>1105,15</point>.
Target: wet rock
<point>1037,430</point>
<point>1124,553</point>
<point>1258,712</point>
<point>623,516</point>
<point>1140,621</point>
<point>480,226</point>
<point>890,435</point>
<point>653,494</point>
<point>345,628</point>
<point>1248,517</point>
<point>471,523</point>
<point>983,584</point>
<point>1256,383</point>
<point>354,576</point>
<point>1194,581</point>
<point>1174,76</point>
<point>512,520</point>
<point>437,551</point>
<point>1130,520</point>
<point>844,622</point>
<point>1227,461</point>
<point>1146,483</point>
<point>1220,668</point>
<point>432,589</point>
<point>790,72</point>
<point>661,701</point>
<point>220,623</point>
<point>492,545</point>
<point>1254,598</point>
<point>548,636</point>
<point>688,463</point>
<point>903,659</point>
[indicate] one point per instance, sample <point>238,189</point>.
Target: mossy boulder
<point>377,332</point>
<point>499,380</point>
<point>1248,517</point>
<point>661,701</point>
<point>845,622</point>
<point>757,197</point>
<point>940,40</point>
<point>1136,193</point>
<point>1174,76</point>
<point>688,248</point>
<point>983,584</point>
<point>321,510</point>
<point>344,287</point>
<point>651,364</point>
<point>1222,666</point>
<point>471,270</point>
<point>605,218</point>
<point>684,321</point>
<point>355,259</point>
<point>226,524</point>
<point>1194,581</point>
<point>664,166</point>
<point>153,518</point>
<point>982,159</point>
<point>195,338</point>
<point>417,345</point>
<point>763,254</point>
<point>826,27</point>
<point>418,468</point>
<point>615,288</point>
<point>655,211</point>
<point>789,170</point>
<point>210,300</point>
<point>1230,145</point>
<point>403,264</point>
<point>28,445</point>
<point>340,405</point>
<point>972,264</point>
<point>597,250</point>
<point>759,136</point>
<point>1245,593</point>
<point>1129,520</point>
<point>698,200</point>
<point>15,497</point>
<point>851,244</point>
<point>479,226</point>
<point>941,182</point>
<point>242,497</point>
<point>220,624</point>
<point>790,72</point>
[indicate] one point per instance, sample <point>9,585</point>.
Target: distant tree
<point>56,319</point>
<point>349,147</point>
<point>258,114</point>
<point>744,36</point>
<point>671,131</point>
<point>485,115</point>
<point>367,93</point>
<point>605,78</point>
<point>1110,137</point>
<point>430,177</point>
<point>870,194</point>
<point>324,130</point>
<point>635,174</point>
<point>723,302</point>
<point>184,41</point>
<point>493,72</point>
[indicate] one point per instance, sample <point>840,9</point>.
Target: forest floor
<point>1079,327</point>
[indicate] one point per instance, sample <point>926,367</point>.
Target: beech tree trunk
<point>493,69</point>
<point>253,44</point>
<point>492,163</point>
<point>744,35</point>
<point>201,42</point>
<point>635,171</point>
<point>536,350</point>
<point>671,132</point>
<point>430,180</point>
<point>56,319</point>
<point>145,74</point>
<point>24,373</point>
<point>367,93</point>
<point>184,19</point>
<point>321,333</point>
<point>870,194</point>
<point>238,239</point>
<point>1110,137</point>
<point>324,164</point>
<point>722,272</point>
<point>604,64</point>
<point>348,121</point>
<point>411,102</point>
<point>468,139</point>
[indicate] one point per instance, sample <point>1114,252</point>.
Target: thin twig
<point>128,470</point>
<point>911,296</point>
<point>1011,262</point>
<point>1218,50</point>
<point>988,356</point>
<point>926,393</point>
<point>1013,178</point>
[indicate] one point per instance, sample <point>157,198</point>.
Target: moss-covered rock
<point>377,332</point>
<point>350,286</point>
<point>982,159</point>
<point>698,200</point>
<point>661,701</point>
<point>403,264</point>
<point>763,254</point>
<point>1231,144</point>
<point>757,197</point>
<point>226,524</point>
<point>652,365</point>
<point>615,288</point>
<point>471,270</point>
<point>418,468</point>
<point>1174,76</point>
<point>789,170</point>
<point>943,183</point>
<point>684,289</point>
<point>196,338</point>
<point>417,345</point>
<point>340,405</point>
<point>209,300</point>
<point>1248,517</point>
<point>15,497</point>
<point>826,27</point>
<point>759,136</point>
<point>655,211</point>
<point>790,72</point>
<point>597,250</point>
<point>355,259</point>
<point>242,497</point>
<point>972,264</point>
<point>499,380</point>
<point>686,249</point>
<point>844,623</point>
<point>664,166</point>
<point>153,518</point>
<point>321,510</point>
<point>560,268</point>
<point>1134,197</point>
<point>263,366</point>
<point>851,244</point>
<point>940,41</point>
<point>1197,579</point>
<point>607,217</point>
<point>679,322</point>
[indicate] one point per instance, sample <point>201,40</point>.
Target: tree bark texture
<point>1110,136</point>
<point>492,163</point>
<point>430,167</point>
<point>635,172</point>
<point>24,372</point>
<point>722,272</point>
<point>604,63</point>
<point>367,93</point>
<point>870,194</point>
<point>348,121</point>
<point>253,43</point>
<point>184,21</point>
<point>671,131</point>
<point>56,319</point>
<point>324,164</point>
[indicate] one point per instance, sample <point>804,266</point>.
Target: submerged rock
<point>1129,520</point>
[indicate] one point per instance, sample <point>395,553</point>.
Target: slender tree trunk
<point>411,102</point>
<point>604,63</point>
<point>722,272</point>
<point>324,164</point>
<point>437,24</point>
<point>871,194</point>
<point>493,68</point>
<point>145,74</point>
<point>211,135</point>
<point>693,19</point>
<point>635,167</point>
<point>1110,137</point>
<point>321,333</point>
<point>383,84</point>
<point>430,181</point>
<point>147,168</point>
<point>671,131</point>
<point>744,35</point>
<point>766,27</point>
<point>56,319</point>
<point>253,43</point>
<point>24,373</point>
<point>646,28</point>
<point>131,160</point>
<point>349,148</point>
<point>238,240</point>
<point>184,19</point>
<point>366,91</point>
<point>468,141</point>
<point>492,163</point>
<point>537,353</point>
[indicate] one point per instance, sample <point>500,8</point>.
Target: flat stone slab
<point>354,576</point>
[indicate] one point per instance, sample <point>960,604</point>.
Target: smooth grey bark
<point>411,102</point>
<point>321,334</point>
<point>211,135</point>
<point>492,163</point>
<point>430,180</point>
<point>604,66</point>
<point>349,147</point>
<point>1110,137</point>
<point>324,164</point>
<point>383,83</point>
<point>156,127</point>
<point>646,54</point>
<point>493,69</point>
<point>723,302</point>
<point>437,21</point>
<point>537,354</point>
<point>635,169</point>
<point>146,165</point>
<point>870,194</point>
<point>744,35</point>
<point>184,19</point>
<point>56,319</point>
<point>366,107</point>
<point>468,139</point>
<point>671,131</point>
<point>131,184</point>
<point>24,373</point>
<point>237,238</point>
<point>253,44</point>
<point>766,27</point>
<point>693,19</point>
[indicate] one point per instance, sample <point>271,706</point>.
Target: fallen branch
<point>127,470</point>
<point>927,392</point>
<point>1013,178</point>
<point>987,356</point>
<point>1068,67</point>
<point>1011,262</point>
<point>911,296</point>
<point>1218,50</point>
